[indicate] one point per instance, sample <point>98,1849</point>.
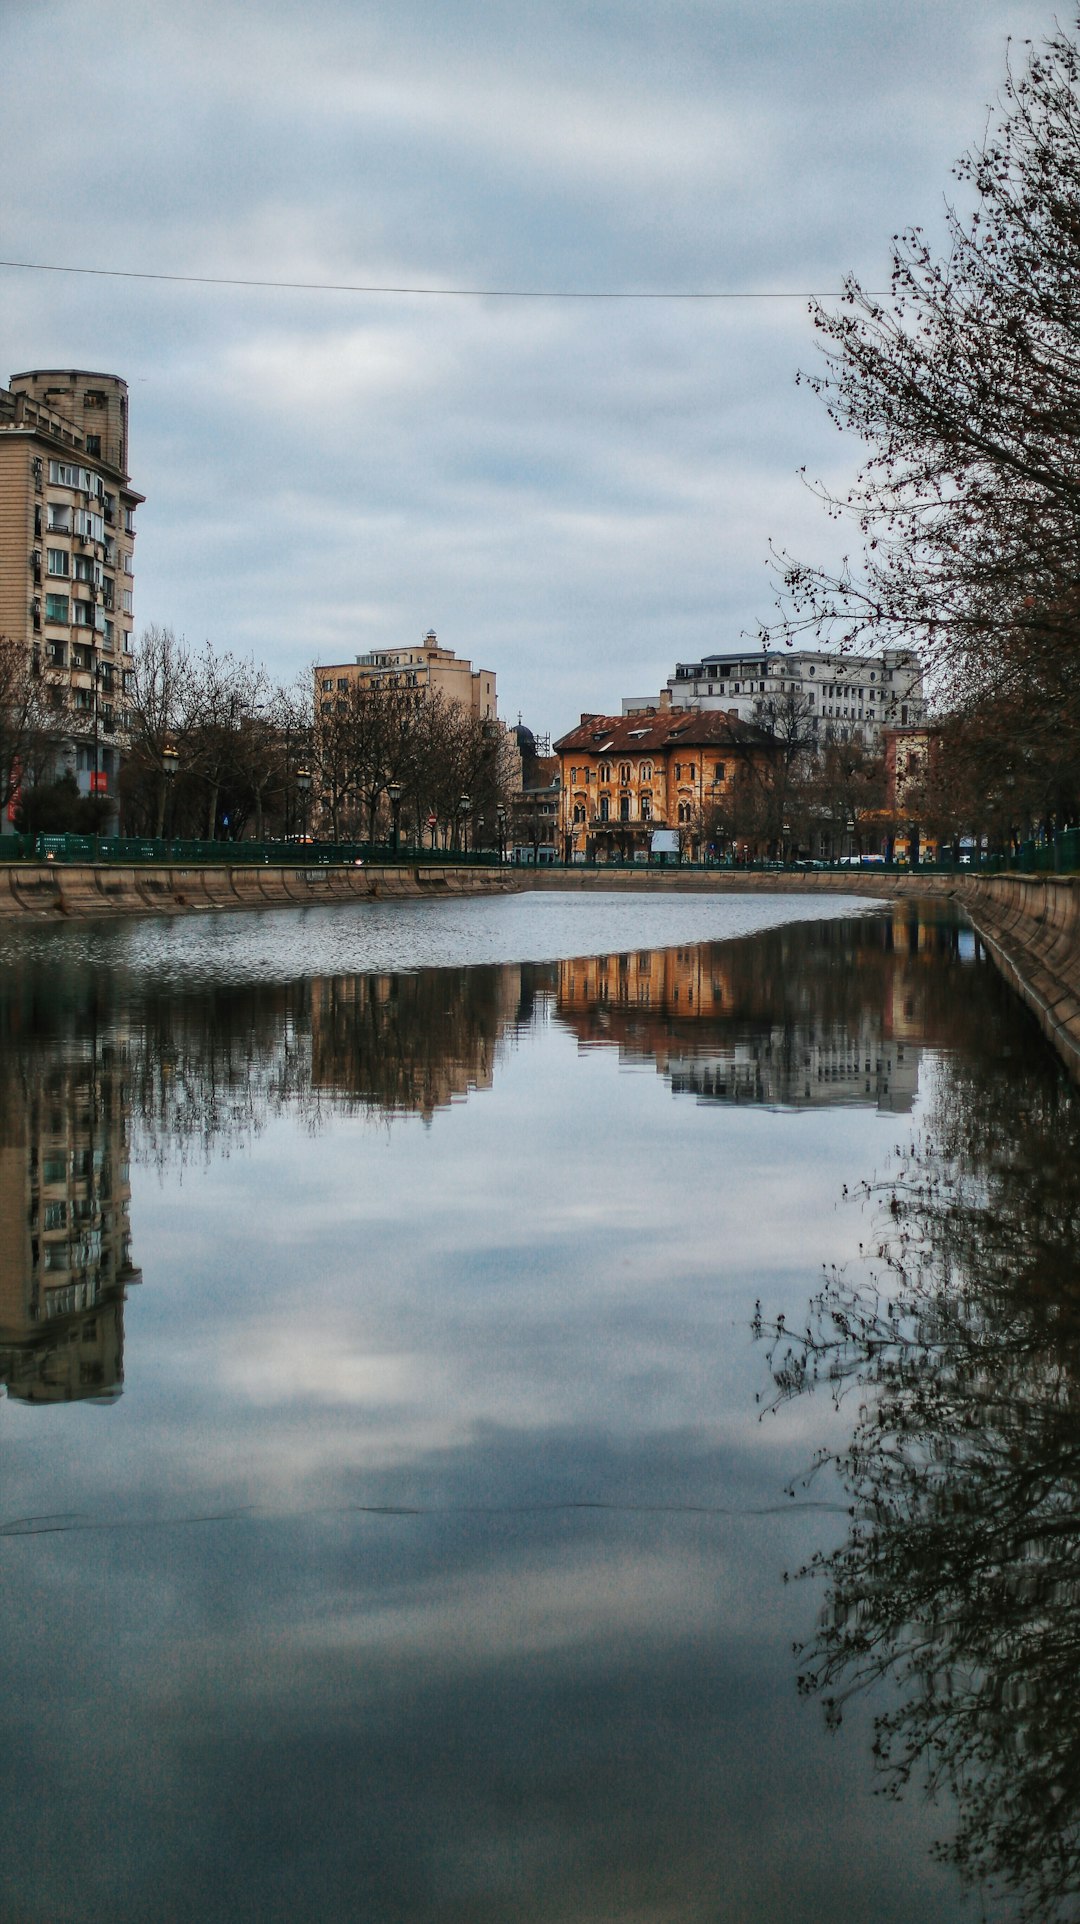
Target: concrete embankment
<point>1030,923</point>
<point>69,889</point>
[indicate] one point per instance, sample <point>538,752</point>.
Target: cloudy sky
<point>573,493</point>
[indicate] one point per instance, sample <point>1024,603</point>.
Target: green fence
<point>129,850</point>
<point>1058,854</point>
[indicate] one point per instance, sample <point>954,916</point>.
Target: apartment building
<point>837,697</point>
<point>67,538</point>
<point>425,665</point>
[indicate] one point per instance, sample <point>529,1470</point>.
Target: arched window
<point>624,774</point>
<point>646,806</point>
<point>684,812</point>
<point>624,808</point>
<point>605,809</point>
<point>605,771</point>
<point>579,814</point>
<point>645,772</point>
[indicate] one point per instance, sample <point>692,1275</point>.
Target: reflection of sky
<point>502,1706</point>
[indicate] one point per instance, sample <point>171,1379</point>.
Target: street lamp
<point>465,805</point>
<point>303,783</point>
<point>170,762</point>
<point>393,789</point>
<point>500,817</point>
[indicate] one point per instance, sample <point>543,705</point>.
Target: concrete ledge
<point>75,889</point>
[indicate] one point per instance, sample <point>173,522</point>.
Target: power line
<point>455,293</point>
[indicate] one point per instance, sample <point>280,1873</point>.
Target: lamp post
<point>393,789</point>
<point>464,806</point>
<point>170,762</point>
<point>303,783</point>
<point>500,817</point>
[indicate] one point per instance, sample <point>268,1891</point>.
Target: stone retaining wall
<point>63,889</point>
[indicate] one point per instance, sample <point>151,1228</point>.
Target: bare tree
<point>27,722</point>
<point>964,386</point>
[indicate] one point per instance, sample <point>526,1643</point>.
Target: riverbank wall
<point>1029,923</point>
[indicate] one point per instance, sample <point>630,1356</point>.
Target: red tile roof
<point>653,734</point>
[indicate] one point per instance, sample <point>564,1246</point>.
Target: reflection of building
<point>67,535</point>
<point>411,1044</point>
<point>810,1015</point>
<point>65,1241</point>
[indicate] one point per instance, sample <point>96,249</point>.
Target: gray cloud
<point>573,495</point>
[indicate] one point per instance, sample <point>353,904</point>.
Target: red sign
<point>99,782</point>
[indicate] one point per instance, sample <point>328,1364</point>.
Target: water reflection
<point>429,1567</point>
<point>958,1586</point>
<point>65,1240</point>
<point>803,1017</point>
<point>809,1015</point>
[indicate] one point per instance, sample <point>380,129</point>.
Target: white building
<point>839,695</point>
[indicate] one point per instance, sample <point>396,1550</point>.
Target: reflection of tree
<point>959,1582</point>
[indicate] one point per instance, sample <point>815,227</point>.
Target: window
<point>125,601</point>
<point>57,561</point>
<point>646,807</point>
<point>693,771</point>
<point>57,653</point>
<point>678,771</point>
<point>719,774</point>
<point>129,520</point>
<point>59,517</point>
<point>645,772</point>
<point>624,774</point>
<point>624,808</point>
<point>579,813</point>
<point>605,772</point>
<point>56,607</point>
<point>82,614</point>
<point>605,809</point>
<point>343,683</point>
<point>684,812</point>
<point>63,475</point>
<point>573,778</point>
<point>90,526</point>
<point>83,698</point>
<point>93,444</point>
<point>128,565</point>
<point>87,569</point>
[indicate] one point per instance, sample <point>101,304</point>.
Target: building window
<point>579,813</point>
<point>57,561</point>
<point>684,812</point>
<point>646,807</point>
<point>605,772</point>
<point>82,614</point>
<point>719,774</point>
<point>624,774</point>
<point>129,520</point>
<point>605,809</point>
<point>678,771</point>
<point>56,607</point>
<point>93,444</point>
<point>646,772</point>
<point>59,517</point>
<point>624,808</point>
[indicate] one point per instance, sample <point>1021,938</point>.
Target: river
<point>536,1409</point>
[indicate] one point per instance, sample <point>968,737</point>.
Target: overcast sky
<point>574,494</point>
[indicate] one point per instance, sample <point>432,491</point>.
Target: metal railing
<point>1059,854</point>
<point>167,852</point>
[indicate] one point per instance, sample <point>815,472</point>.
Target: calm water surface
<point>433,1562</point>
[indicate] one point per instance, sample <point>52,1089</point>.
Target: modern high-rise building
<point>67,536</point>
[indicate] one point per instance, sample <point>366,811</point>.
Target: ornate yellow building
<point>694,771</point>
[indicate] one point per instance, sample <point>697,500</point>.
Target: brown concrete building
<point>423,666</point>
<point>625,776</point>
<point>67,536</point>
